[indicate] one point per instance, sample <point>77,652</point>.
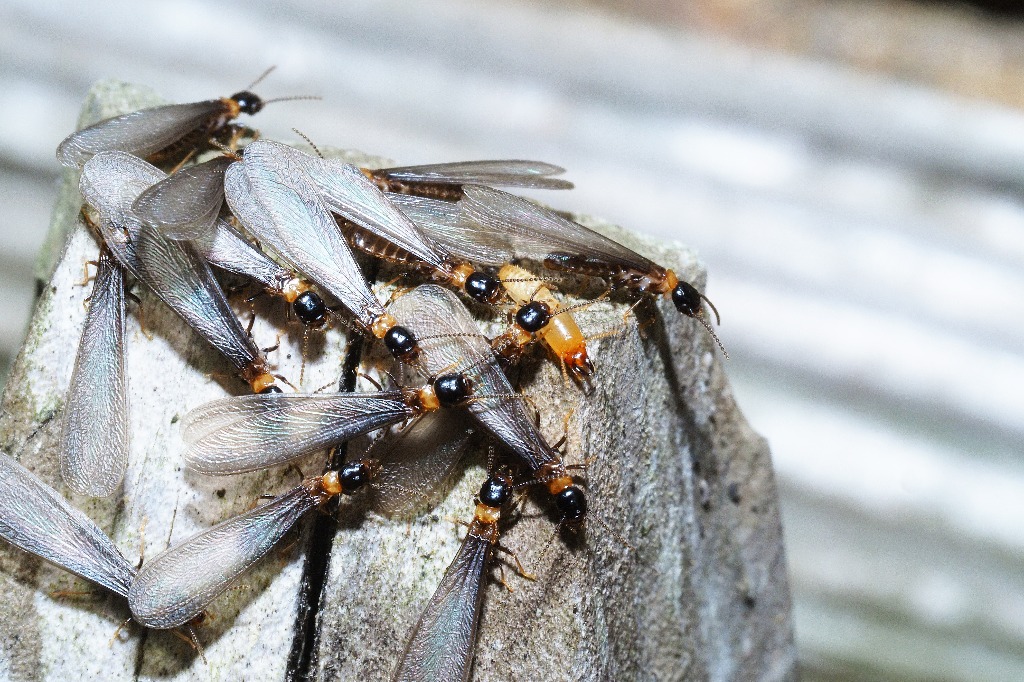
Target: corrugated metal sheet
<point>865,242</point>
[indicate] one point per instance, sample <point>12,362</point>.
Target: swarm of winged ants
<point>290,220</point>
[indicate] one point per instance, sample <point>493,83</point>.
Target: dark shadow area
<point>998,8</point>
<point>302,658</point>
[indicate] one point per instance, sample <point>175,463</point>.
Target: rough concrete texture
<point>673,468</point>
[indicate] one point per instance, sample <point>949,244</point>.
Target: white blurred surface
<point>864,239</point>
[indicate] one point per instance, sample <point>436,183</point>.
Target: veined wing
<point>280,208</point>
<point>251,432</point>
<point>444,222</point>
<point>451,342</point>
<point>228,250</point>
<point>114,181</point>
<point>179,583</point>
<point>442,644</point>
<point>110,182</point>
<point>538,233</point>
<point>418,461</point>
<point>346,191</point>
<point>34,517</point>
<point>140,133</point>
<point>183,280</point>
<point>185,205</point>
<point>503,173</point>
<point>94,431</point>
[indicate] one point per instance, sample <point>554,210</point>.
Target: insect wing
<point>538,233</point>
<point>186,204</point>
<point>441,646</point>
<point>444,223</point>
<point>184,281</point>
<point>451,341</point>
<point>34,517</point>
<point>277,204</point>
<point>418,462</point>
<point>178,584</point>
<point>110,182</point>
<point>94,431</point>
<point>140,133</point>
<point>251,432</point>
<point>504,173</point>
<point>450,337</point>
<point>226,249</point>
<point>346,191</point>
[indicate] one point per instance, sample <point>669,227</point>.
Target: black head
<point>483,288</point>
<point>272,388</point>
<point>494,492</point>
<point>310,309</point>
<point>401,342</point>
<point>452,389</point>
<point>572,504</point>
<point>353,476</point>
<point>249,102</point>
<point>533,316</point>
<point>686,299</point>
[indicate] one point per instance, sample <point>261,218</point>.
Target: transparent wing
<point>34,517</point>
<point>277,204</point>
<point>94,431</point>
<point>504,173</point>
<point>110,182</point>
<point>442,643</point>
<point>183,280</point>
<point>451,341</point>
<point>226,249</point>
<point>346,191</point>
<point>418,462</point>
<point>140,133</point>
<point>186,204</point>
<point>538,233</point>
<point>443,222</point>
<point>178,584</point>
<point>245,433</point>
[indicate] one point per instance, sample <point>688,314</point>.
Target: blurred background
<point>851,173</point>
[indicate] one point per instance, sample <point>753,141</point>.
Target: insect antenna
<point>377,439</point>
<point>308,141</point>
<point>305,350</point>
<point>343,321</point>
<point>329,384</point>
<point>582,306</point>
<point>707,325</point>
<point>262,76</point>
<point>194,641</point>
<point>490,457</point>
<point>547,544</point>
<point>611,531</point>
<point>450,336</point>
<point>292,98</point>
<point>285,380</point>
<point>718,318</point>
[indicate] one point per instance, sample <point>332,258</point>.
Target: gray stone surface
<point>674,469</point>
